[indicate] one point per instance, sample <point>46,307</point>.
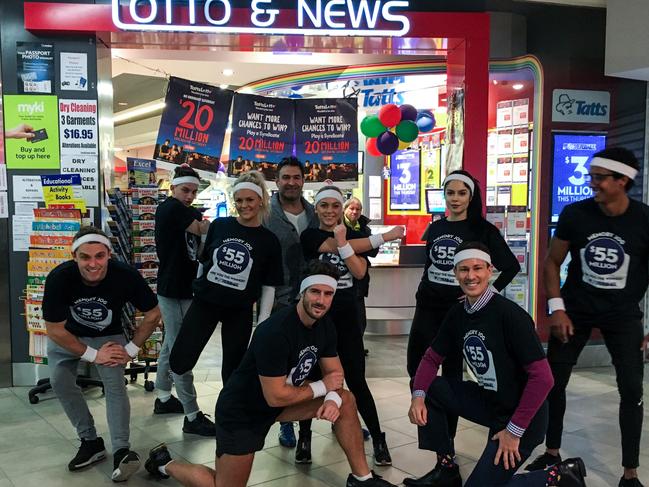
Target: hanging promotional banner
<point>193,125</point>
<point>35,67</point>
<point>262,134</point>
<point>38,115</point>
<point>326,138</point>
<point>405,180</point>
<point>141,172</point>
<point>78,127</point>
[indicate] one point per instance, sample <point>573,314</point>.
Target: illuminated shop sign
<point>310,17</point>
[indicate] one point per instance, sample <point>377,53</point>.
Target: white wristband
<point>319,389</point>
<point>90,355</point>
<point>132,349</point>
<point>376,240</point>
<point>346,251</point>
<point>556,304</point>
<point>335,397</point>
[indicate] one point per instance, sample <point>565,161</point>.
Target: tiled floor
<point>37,441</point>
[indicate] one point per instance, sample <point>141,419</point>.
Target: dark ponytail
<point>474,211</point>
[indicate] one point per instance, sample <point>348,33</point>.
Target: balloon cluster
<point>394,128</point>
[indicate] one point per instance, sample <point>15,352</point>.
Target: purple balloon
<point>408,112</point>
<point>387,143</point>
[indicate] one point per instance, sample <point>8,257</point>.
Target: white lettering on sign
<point>314,17</point>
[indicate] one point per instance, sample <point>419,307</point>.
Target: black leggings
<point>198,325</point>
<point>425,326</point>
<point>352,357</point>
<point>623,340</point>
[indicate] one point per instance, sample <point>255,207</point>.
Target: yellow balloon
<point>393,129</point>
<point>403,145</point>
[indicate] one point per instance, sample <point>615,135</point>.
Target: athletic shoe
<point>375,481</point>
<point>201,425</point>
<point>440,476</point>
<point>287,435</point>
<point>170,406</point>
<point>381,454</point>
<point>158,457</point>
<point>571,473</point>
<point>90,451</point>
<point>543,461</point>
<point>303,450</point>
<point>630,482</point>
<point>125,464</point>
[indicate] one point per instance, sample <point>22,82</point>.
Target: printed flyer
<point>35,67</point>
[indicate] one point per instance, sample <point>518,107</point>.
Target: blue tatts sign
<point>572,152</point>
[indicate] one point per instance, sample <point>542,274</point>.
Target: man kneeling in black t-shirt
<point>271,385</point>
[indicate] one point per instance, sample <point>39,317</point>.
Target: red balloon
<point>370,147</point>
<point>390,115</point>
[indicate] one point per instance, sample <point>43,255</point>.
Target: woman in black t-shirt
<point>439,290</point>
<point>178,227</point>
<point>240,265</point>
<point>329,243</point>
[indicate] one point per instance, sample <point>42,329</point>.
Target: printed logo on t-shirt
<point>92,312</point>
<point>232,264</point>
<point>307,358</point>
<point>480,359</point>
<point>192,242</point>
<point>346,279</point>
<point>604,263</point>
<point>442,252</point>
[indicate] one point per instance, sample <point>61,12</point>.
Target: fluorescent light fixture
<point>122,103</point>
<point>223,86</point>
<point>118,149</point>
<point>227,72</point>
<point>518,86</point>
<point>138,112</point>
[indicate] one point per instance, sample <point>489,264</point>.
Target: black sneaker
<point>90,451</point>
<point>571,473</point>
<point>158,457</point>
<point>630,482</point>
<point>543,461</point>
<point>381,454</point>
<point>303,449</point>
<point>375,481</point>
<point>170,406</point>
<point>125,463</point>
<point>201,425</point>
<point>440,476</point>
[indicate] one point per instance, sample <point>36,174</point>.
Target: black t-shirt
<point>497,342</point>
<point>312,239</point>
<point>608,275</point>
<point>237,261</point>
<point>281,346</point>
<point>438,287</point>
<point>94,311</point>
<point>177,249</point>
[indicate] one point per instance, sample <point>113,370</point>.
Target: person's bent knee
<point>349,401</point>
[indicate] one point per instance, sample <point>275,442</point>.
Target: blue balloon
<point>425,123</point>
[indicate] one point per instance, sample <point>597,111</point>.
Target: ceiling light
<point>118,149</point>
<point>122,103</point>
<point>518,86</point>
<point>223,86</point>
<point>227,72</point>
<point>495,81</point>
<point>138,112</point>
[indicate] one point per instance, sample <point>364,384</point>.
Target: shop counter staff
<point>178,227</point>
<point>333,242</point>
<point>608,240</point>
<point>439,290</point>
<point>82,309</point>
<point>272,384</point>
<point>500,346</point>
<point>240,265</point>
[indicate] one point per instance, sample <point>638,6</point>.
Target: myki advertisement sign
<point>303,17</point>
<point>572,152</point>
<point>193,124</point>
<point>405,180</point>
<point>262,133</point>
<point>326,138</point>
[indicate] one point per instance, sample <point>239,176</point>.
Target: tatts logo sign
<point>310,17</point>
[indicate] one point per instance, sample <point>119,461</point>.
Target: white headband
<point>91,237</point>
<point>329,193</point>
<point>460,177</point>
<point>614,166</point>
<point>185,179</point>
<point>250,186</point>
<point>471,254</point>
<point>323,279</point>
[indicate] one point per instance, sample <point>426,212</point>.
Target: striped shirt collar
<point>480,303</point>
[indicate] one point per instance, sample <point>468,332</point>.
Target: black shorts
<point>240,441</point>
